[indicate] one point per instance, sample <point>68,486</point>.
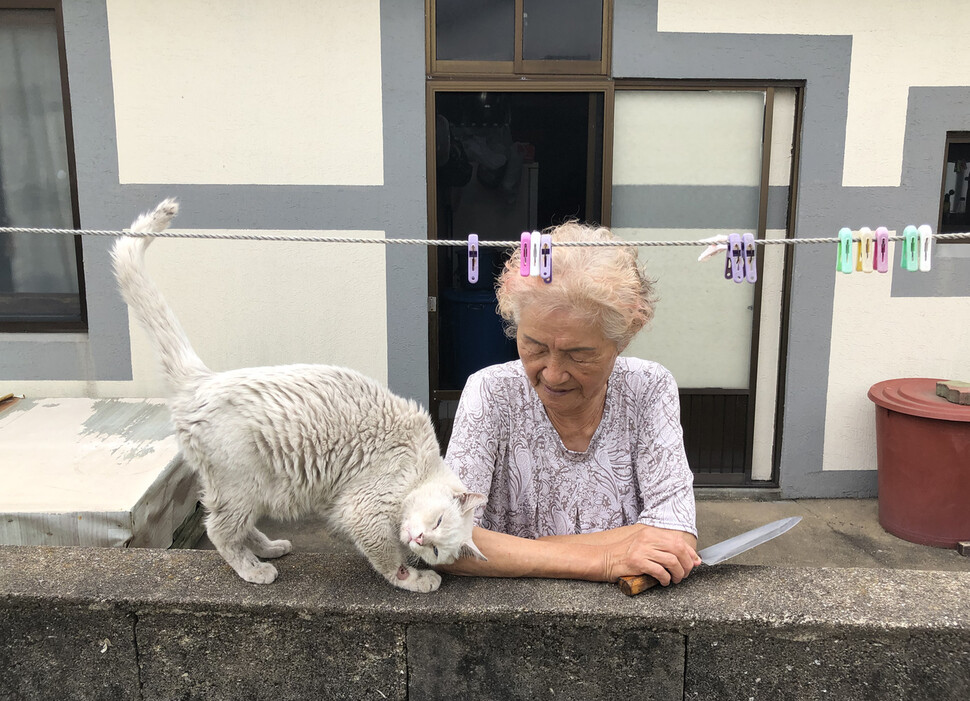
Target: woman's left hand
<point>667,556</point>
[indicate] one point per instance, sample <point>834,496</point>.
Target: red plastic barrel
<point>923,453</point>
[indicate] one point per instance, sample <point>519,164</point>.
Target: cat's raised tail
<point>179,361</point>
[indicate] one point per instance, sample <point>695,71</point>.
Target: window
<point>40,275</point>
<point>519,36</point>
<point>956,177</point>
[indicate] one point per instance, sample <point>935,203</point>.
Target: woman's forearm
<point>599,557</point>
<point>511,556</point>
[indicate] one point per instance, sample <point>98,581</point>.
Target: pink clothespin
<point>717,244</point>
<point>882,249</point>
<point>545,263</point>
<point>526,246</point>
<point>750,257</point>
<point>472,258</point>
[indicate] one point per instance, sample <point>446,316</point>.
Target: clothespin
<point>909,260</point>
<point>524,249</point>
<point>472,258</point>
<point>545,264</point>
<point>735,265</point>
<point>535,240</point>
<point>750,257</point>
<point>882,249</point>
<point>717,243</point>
<point>844,262</point>
<point>867,250</point>
<point>925,247</point>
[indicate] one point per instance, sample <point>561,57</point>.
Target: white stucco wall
<point>894,45</point>
<point>258,92</point>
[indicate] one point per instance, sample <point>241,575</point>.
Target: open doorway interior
<point>505,162</point>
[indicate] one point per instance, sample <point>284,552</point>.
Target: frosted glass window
<point>555,30</point>
<point>475,30</point>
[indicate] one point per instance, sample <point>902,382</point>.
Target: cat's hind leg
<point>230,533</point>
<point>266,548</point>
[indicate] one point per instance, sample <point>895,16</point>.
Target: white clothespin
<point>925,247</point>
<point>718,244</point>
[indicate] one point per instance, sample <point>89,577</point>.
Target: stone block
<point>503,661</point>
<point>269,655</point>
<point>883,665</point>
<point>66,651</point>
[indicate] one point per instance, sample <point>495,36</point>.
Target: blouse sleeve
<point>664,478</point>
<point>474,445</point>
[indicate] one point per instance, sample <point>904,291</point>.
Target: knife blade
<point>719,552</point>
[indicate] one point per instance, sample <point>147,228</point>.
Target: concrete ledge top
<point>745,598</point>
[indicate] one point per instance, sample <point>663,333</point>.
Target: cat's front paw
<point>415,580</point>
<point>263,573</point>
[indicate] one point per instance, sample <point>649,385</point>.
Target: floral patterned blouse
<point>634,470</point>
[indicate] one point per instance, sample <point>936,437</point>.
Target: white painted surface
<point>246,304</point>
<point>91,472</point>
<point>260,92</point>
<point>895,45</point>
<point>876,337</point>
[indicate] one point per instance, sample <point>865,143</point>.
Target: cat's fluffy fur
<point>297,439</point>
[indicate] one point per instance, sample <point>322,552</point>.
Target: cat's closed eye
<point>435,548</point>
<point>439,523</point>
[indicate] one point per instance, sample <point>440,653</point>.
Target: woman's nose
<point>554,373</point>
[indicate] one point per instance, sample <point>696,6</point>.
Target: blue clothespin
<point>750,257</point>
<point>736,257</point>
<point>844,262</point>
<point>545,258</point>
<point>472,258</point>
<point>925,247</point>
<point>909,260</point>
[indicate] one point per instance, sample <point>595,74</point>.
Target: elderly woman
<point>579,451</point>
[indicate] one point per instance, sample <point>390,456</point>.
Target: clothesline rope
<point>460,243</point>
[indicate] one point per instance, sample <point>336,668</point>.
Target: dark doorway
<point>505,162</point>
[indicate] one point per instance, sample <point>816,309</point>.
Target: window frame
<point>80,324</point>
<point>518,66</point>
<point>952,137</point>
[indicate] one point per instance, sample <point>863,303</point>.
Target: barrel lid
<point>916,396</point>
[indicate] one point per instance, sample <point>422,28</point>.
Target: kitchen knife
<point>718,553</point>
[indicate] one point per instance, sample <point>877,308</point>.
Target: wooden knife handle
<point>634,584</point>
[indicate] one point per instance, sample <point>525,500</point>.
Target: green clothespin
<point>909,259</point>
<point>844,264</point>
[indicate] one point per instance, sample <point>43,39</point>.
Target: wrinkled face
<point>438,525</point>
<point>567,359</point>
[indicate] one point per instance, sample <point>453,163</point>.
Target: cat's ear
<point>469,549</point>
<point>470,500</point>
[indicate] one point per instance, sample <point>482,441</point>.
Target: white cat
<point>297,439</point>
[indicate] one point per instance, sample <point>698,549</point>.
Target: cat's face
<point>438,525</point>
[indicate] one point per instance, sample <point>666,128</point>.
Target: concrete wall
<point>149,624</point>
